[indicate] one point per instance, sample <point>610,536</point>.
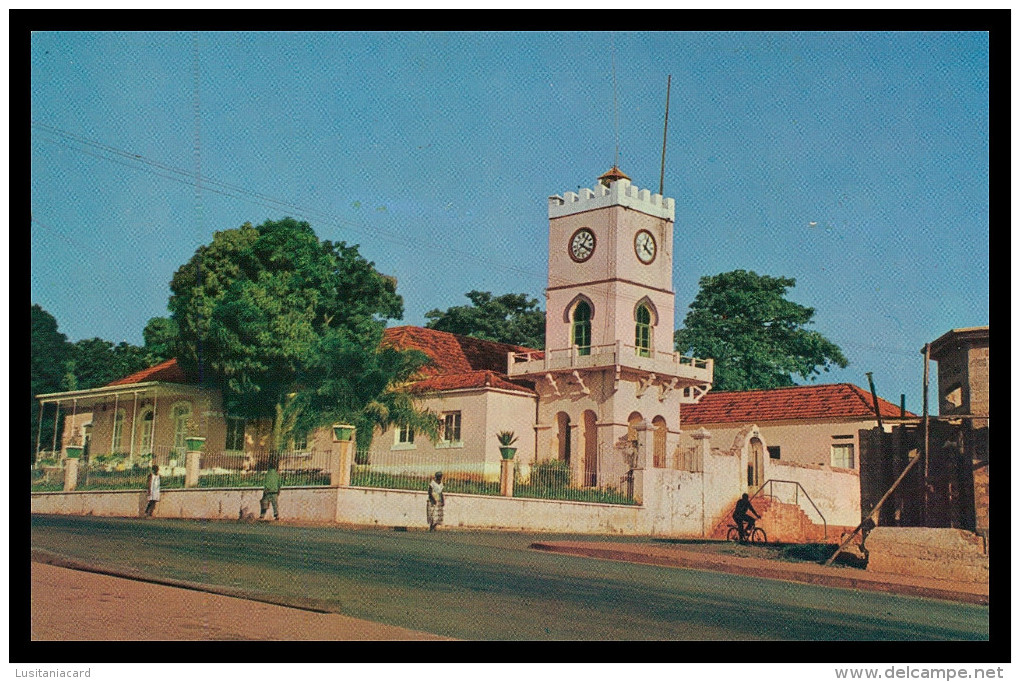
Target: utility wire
<point>139,162</point>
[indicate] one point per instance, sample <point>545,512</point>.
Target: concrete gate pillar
<point>642,462</point>
<point>192,462</point>
<point>703,447</point>
<point>70,474</point>
<point>506,477</point>
<point>340,463</point>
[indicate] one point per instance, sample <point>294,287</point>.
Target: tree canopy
<point>49,351</point>
<point>58,365</point>
<point>286,326</point>
<point>510,318</point>
<point>756,336</point>
<point>96,362</point>
<point>160,336</point>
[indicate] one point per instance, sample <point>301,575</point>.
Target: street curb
<point>774,572</point>
<point>42,556</point>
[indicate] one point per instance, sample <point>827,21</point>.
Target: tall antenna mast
<point>665,127</point>
<point>616,108</point>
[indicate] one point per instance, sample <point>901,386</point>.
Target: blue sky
<point>856,163</point>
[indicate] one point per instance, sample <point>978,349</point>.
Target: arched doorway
<point>754,464</point>
<point>633,420</point>
<point>563,437</point>
<point>634,439</point>
<point>591,449</point>
<point>659,442</point>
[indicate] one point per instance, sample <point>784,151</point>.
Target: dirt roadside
<point>74,605</point>
<point>972,593</point>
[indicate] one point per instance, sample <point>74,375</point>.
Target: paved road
<point>489,586</point>
<point>72,605</point>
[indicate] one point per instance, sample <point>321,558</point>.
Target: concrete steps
<point>782,522</point>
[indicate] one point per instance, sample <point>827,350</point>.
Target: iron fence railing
<point>463,472</point>
<point>791,492</point>
<point>216,470</point>
<point>467,472</point>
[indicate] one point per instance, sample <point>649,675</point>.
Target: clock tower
<point>609,382</point>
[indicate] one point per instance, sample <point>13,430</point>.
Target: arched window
<point>563,436</point>
<point>643,332</point>
<point>633,420</point>
<point>582,328</point>
<point>179,415</point>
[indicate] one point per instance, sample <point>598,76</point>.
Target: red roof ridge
<point>402,332</point>
<point>810,401</point>
<point>168,371</point>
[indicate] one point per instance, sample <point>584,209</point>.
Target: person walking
<point>270,493</point>
<point>434,507</point>
<point>153,487</point>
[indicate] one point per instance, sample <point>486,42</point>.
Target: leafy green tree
<point>96,362</point>
<point>49,352</point>
<point>756,336</point>
<point>286,326</point>
<point>510,318</point>
<point>160,336</point>
<point>369,390</point>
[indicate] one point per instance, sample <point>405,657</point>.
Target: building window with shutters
<point>117,443</point>
<point>449,435</point>
<point>843,455</point>
<point>235,434</point>
<point>403,438</point>
<point>179,415</point>
<point>145,445</point>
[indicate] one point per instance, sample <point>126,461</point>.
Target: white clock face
<point>582,245</point>
<point>644,246</point>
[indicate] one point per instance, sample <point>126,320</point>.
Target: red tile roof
<point>478,379</point>
<point>458,361</point>
<point>168,371</point>
<point>816,403</point>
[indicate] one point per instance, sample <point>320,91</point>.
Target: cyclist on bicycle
<point>741,517</point>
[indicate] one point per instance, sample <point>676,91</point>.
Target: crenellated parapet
<point>618,193</point>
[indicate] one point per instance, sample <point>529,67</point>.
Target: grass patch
<point>47,486</point>
<point>795,553</point>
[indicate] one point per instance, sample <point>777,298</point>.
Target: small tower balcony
<point>677,370</point>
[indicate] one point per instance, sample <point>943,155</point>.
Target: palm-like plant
<point>506,438</point>
<point>373,391</point>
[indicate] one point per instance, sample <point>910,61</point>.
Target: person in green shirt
<point>270,492</point>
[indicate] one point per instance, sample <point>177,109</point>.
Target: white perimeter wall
<point>362,506</point>
<point>674,503</point>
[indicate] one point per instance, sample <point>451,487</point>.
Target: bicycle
<point>753,533</point>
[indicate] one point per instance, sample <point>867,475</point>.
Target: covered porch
<point>130,423</point>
